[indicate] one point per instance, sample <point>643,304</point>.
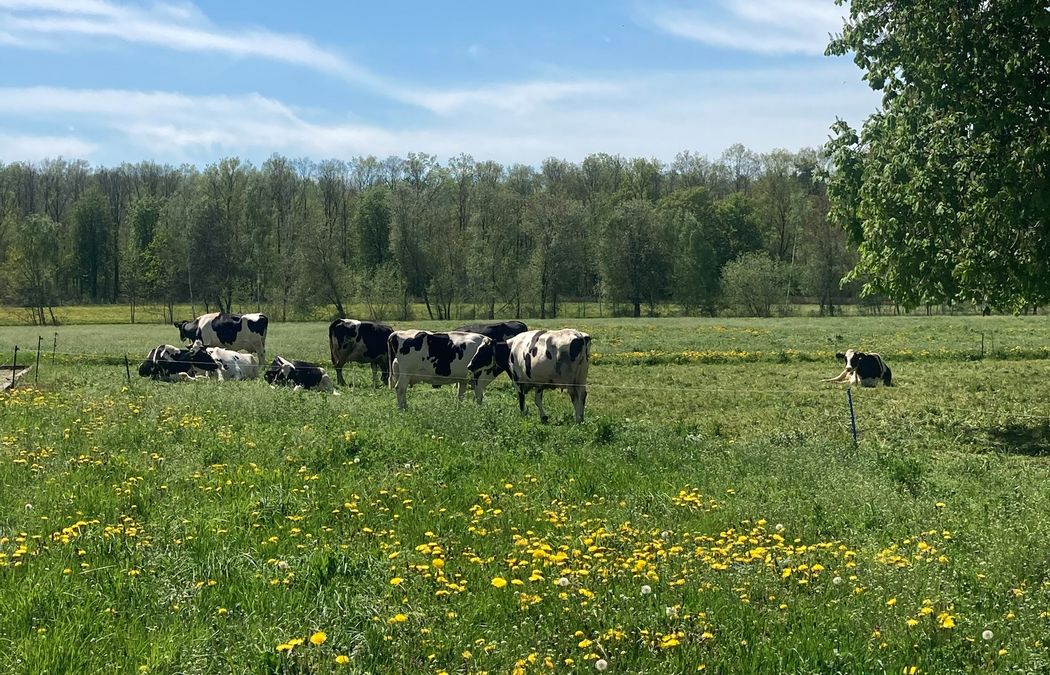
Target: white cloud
<point>650,115</point>
<point>762,26</point>
<point>182,27</point>
<point>18,147</point>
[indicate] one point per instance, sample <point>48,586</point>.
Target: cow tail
<point>394,366</point>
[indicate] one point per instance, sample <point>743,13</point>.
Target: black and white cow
<point>435,358</point>
<point>246,332</point>
<point>540,360</point>
<point>233,365</point>
<point>298,374</point>
<point>500,332</point>
<point>360,342</point>
<point>170,364</point>
<point>863,369</point>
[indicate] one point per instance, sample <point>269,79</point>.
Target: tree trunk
<point>637,308</point>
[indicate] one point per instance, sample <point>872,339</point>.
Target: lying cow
<point>171,364</point>
<point>246,332</point>
<point>232,365</point>
<point>359,342</point>
<point>500,332</point>
<point>298,374</point>
<point>863,369</point>
<point>436,358</point>
<point>540,360</point>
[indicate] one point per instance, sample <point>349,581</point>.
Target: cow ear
<point>840,356</point>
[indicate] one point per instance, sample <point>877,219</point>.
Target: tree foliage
<point>946,190</point>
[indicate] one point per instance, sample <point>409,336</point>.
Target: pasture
<point>712,514</point>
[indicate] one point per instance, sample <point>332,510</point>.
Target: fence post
<point>14,369</point>
<point>982,344</point>
<point>36,373</point>
<point>127,366</point>
<point>54,348</point>
<point>852,417</point>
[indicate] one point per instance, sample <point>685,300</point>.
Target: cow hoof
<point>544,419</point>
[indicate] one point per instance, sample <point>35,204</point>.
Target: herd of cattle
<point>232,347</point>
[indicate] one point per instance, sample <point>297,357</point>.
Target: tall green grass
<point>208,527</point>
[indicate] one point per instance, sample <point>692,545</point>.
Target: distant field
<point>712,514</point>
<point>100,314</point>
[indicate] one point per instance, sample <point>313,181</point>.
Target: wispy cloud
<point>182,27</point>
<point>23,147</point>
<point>633,117</point>
<point>762,26</point>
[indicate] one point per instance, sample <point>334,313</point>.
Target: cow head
<point>492,358</point>
<point>850,359</point>
<point>188,330</point>
<point>199,358</point>
<point>278,371</point>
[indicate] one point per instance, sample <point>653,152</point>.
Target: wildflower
<point>318,638</point>
<point>946,620</point>
<point>1002,652</point>
<point>563,582</point>
<point>912,623</point>
<point>438,563</point>
<point>891,602</point>
<point>601,665</point>
<point>397,618</point>
<point>342,659</point>
<point>837,580</point>
<point>223,611</point>
<point>707,635</point>
<point>584,643</point>
<point>499,582</point>
<point>396,581</point>
<point>987,635</point>
<point>647,589</point>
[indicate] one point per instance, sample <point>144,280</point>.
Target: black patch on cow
<point>226,327</point>
<point>500,332</point>
<point>442,352</point>
<point>166,361</point>
<point>576,347</point>
<point>868,366</point>
<point>887,376</point>
<point>412,343</point>
<point>258,326</point>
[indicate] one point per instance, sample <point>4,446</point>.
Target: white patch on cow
<point>234,365</point>
<point>541,360</point>
<point>418,365</point>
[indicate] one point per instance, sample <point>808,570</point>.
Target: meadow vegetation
<point>713,513</point>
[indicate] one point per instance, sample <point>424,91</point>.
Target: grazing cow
<point>540,360</point>
<point>298,374</point>
<point>246,332</point>
<point>171,364</point>
<point>500,332</point>
<point>359,342</point>
<point>233,365</point>
<point>863,369</point>
<point>435,358</point>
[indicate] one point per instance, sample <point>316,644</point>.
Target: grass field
<point>711,515</point>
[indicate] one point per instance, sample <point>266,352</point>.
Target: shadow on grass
<point>1030,439</point>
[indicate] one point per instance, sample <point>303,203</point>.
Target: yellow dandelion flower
<point>318,638</point>
<point>585,643</point>
<point>342,659</point>
<point>397,618</point>
<point>223,611</point>
<point>396,581</point>
<point>499,582</point>
<point>891,602</point>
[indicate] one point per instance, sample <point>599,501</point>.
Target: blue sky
<point>178,82</point>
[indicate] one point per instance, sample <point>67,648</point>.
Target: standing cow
<point>500,332</point>
<point>246,332</point>
<point>354,341</point>
<point>540,360</point>
<point>435,358</point>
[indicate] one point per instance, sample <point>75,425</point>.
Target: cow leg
<point>521,399</point>
<point>578,395</point>
<point>479,391</point>
<point>339,376</point>
<point>841,377</point>
<point>462,390</point>
<point>402,394</point>
<point>539,405</point>
<point>375,371</point>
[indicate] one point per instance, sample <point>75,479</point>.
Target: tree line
<point>695,236</point>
